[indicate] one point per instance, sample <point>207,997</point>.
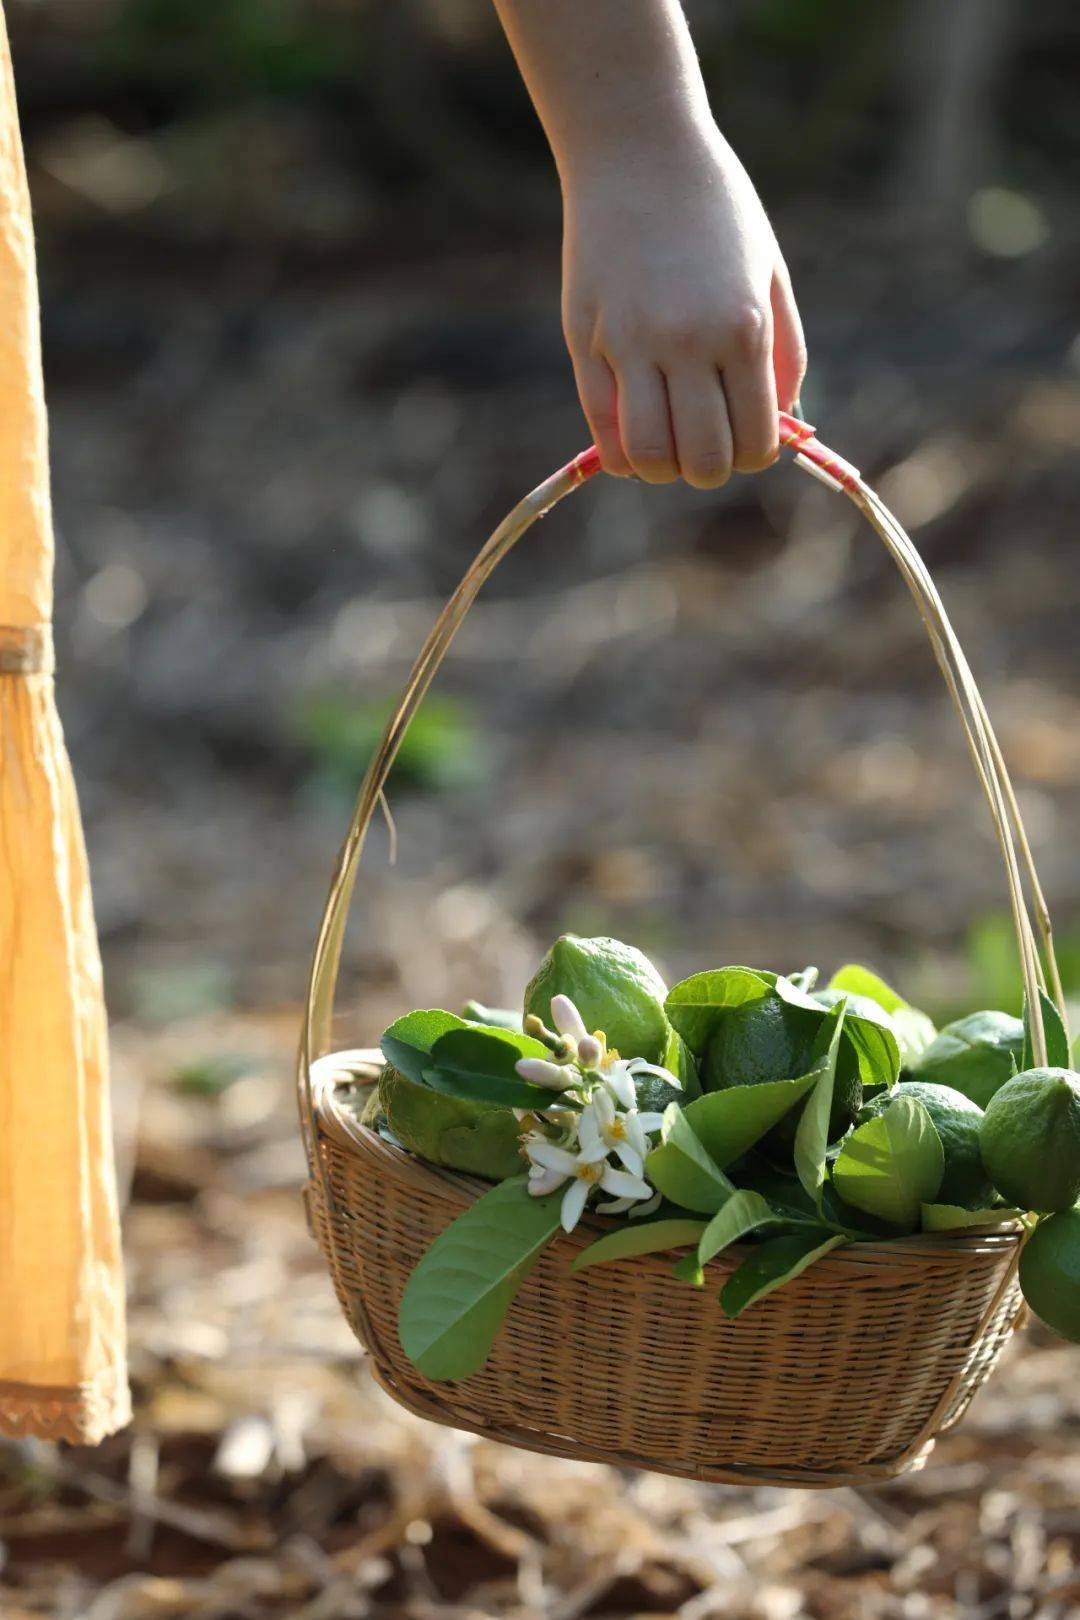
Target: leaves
<point>868,1027</point>
<point>914,1030</point>
<point>683,1171</point>
<point>455,1300</point>
<point>952,1218</point>
<point>892,1165</point>
<point>694,1005</point>
<point>772,1265</point>
<point>729,1122</point>
<point>743,1212</point>
<point>407,1043</point>
<point>642,1237</point>
<point>812,1134</point>
<point>1058,1055</point>
<point>480,1065</point>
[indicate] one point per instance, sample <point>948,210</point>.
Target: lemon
<point>1050,1273</point>
<point>614,987</point>
<point>957,1121</point>
<point>975,1055</point>
<point>1030,1139</point>
<point>772,1040</point>
<point>479,1138</point>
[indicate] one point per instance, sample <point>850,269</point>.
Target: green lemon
<point>478,1138</point>
<point>614,987</point>
<point>1030,1139</point>
<point>1050,1273</point>
<point>975,1055</point>
<point>957,1121</point>
<point>771,1040</point>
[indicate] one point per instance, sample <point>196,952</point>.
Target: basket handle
<point>822,463</point>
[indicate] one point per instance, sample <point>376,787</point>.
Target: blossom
<point>584,1170</point>
<point>624,1134</point>
<point>542,1072</point>
<point>619,1076</point>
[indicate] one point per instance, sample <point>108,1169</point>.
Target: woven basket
<point>846,1375</point>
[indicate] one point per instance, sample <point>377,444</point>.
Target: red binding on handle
<point>796,436</point>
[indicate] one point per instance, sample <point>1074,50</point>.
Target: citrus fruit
<point>957,1120</point>
<point>478,1138</point>
<point>614,987</point>
<point>1030,1139</point>
<point>1050,1273</point>
<point>975,1055</point>
<point>771,1040</point>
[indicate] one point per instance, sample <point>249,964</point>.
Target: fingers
<point>789,344</point>
<point>599,401</point>
<point>751,391</point>
<point>645,421</point>
<point>699,416</point>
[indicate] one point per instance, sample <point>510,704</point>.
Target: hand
<point>678,311</point>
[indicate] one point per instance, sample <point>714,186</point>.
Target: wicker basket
<point>844,1376</point>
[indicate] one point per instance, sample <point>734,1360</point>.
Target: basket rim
<point>348,1135</point>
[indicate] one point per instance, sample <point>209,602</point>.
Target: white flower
<point>620,1075</point>
<point>554,1076</point>
<point>624,1134</point>
<point>631,1206</point>
<point>567,1020</point>
<point>584,1171</point>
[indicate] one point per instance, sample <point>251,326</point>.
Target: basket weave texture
<point>837,1378</point>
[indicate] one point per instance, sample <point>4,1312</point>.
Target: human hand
<point>677,309</point>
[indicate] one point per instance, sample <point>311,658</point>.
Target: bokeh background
<point>300,264</point>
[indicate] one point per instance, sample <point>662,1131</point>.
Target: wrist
<point>670,145</point>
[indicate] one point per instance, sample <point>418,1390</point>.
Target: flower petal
<point>589,1130</point>
<point>635,1134</point>
<point>551,1157</point>
<point>590,1052</point>
<point>615,1206</point>
<point>630,1157</point>
<point>620,1083</point>
<point>567,1019</point>
<point>624,1185</point>
<point>647,1208</point>
<point>573,1203</point>
<point>639,1066</point>
<point>555,1076</point>
<point>650,1122</point>
<point>542,1182</point>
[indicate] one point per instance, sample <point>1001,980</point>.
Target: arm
<point>677,306</point>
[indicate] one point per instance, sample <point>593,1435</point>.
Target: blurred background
<point>300,272</point>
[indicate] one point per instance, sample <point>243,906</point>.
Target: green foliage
<point>892,1165</point>
<point>211,1075</point>
<point>480,1065</point>
<point>1058,1055</point>
<point>682,1169</point>
<point>953,1218</point>
<point>407,1043</point>
<point>637,1238</point>
<point>441,749</point>
<point>812,1135</point>
<point>456,1298</point>
<point>696,1004</point>
<point>774,1263</point>
<point>728,1123</point>
<point>744,1212</point>
<point>914,1030</point>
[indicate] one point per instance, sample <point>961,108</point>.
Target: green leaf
<point>892,1164</point>
<point>729,1122</point>
<point>407,1043</point>
<point>1058,1055</point>
<point>743,1212</point>
<point>682,1170</point>
<point>480,1065</point>
<point>861,981</point>
<point>812,1132</point>
<point>951,1217</point>
<point>771,1265</point>
<point>868,1027</point>
<point>689,1270</point>
<point>639,1237</point>
<point>914,1030</point>
<point>694,1005</point>
<point>455,1300</point>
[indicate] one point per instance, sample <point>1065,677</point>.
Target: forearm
<point>608,77</point>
